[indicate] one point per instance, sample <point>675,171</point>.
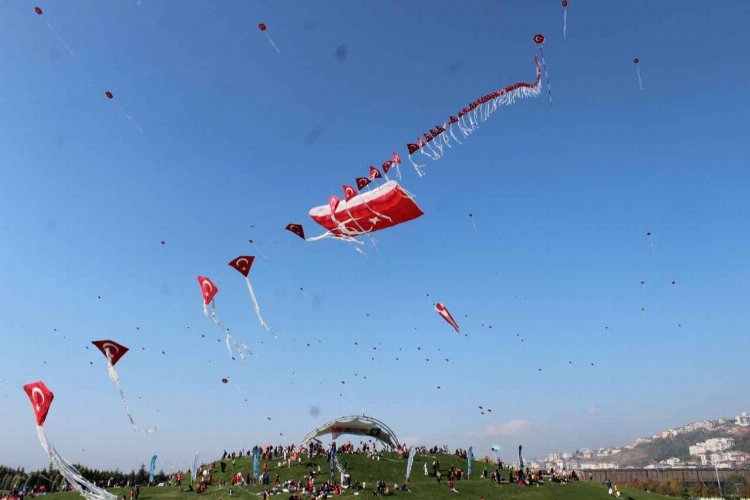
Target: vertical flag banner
<point>194,470</point>
<point>256,463</point>
<point>410,463</point>
<point>152,469</point>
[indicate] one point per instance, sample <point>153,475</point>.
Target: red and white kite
<point>209,291</point>
<point>243,264</point>
<point>375,173</point>
<point>383,207</point>
<point>41,400</point>
<point>114,352</point>
<point>443,311</point>
<point>468,119</point>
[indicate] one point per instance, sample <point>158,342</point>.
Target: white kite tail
<point>640,80</point>
<point>71,474</point>
<point>263,324</point>
<point>116,379</point>
<point>565,24</point>
<point>215,319</point>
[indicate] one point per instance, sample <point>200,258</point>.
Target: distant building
<point>714,445</point>
<point>743,419</point>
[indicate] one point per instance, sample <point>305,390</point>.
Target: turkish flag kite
<point>443,311</point>
<point>41,399</point>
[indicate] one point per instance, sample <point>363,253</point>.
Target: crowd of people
<point>314,484</point>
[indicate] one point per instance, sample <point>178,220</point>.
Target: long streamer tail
<point>70,473</point>
<point>263,324</point>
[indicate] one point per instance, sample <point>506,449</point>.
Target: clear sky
<point>238,141</point>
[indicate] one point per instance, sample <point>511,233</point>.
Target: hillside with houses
<point>722,443</point>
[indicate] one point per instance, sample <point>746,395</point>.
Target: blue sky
<point>238,141</point>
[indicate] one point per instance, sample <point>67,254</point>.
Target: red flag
<point>443,311</point>
<point>116,351</point>
<point>333,202</point>
<point>41,399</point>
<point>413,148</point>
<point>243,263</point>
<point>434,132</point>
<point>208,289</point>
<point>387,166</point>
<point>375,173</point>
<point>362,182</point>
<point>349,192</point>
<point>454,119</point>
<point>396,158</point>
<point>296,229</point>
<point>427,137</point>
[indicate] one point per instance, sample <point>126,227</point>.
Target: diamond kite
<point>443,311</point>
<point>41,400</point>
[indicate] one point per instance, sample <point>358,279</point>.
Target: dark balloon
<point>38,10</point>
<point>261,26</point>
<point>108,94</point>
<point>636,61</point>
<point>564,3</point>
<point>539,39</point>
<point>224,380</point>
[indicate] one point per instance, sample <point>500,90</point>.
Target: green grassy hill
<point>392,469</point>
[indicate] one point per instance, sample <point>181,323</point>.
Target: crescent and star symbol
<point>34,392</point>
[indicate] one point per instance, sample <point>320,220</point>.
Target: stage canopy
<point>358,425</point>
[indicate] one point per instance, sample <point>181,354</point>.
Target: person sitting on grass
<point>451,487</point>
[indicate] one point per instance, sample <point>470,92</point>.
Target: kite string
<point>54,31</point>
<point>257,308</point>
<point>128,116</point>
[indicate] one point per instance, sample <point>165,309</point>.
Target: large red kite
<point>41,399</point>
<point>383,207</point>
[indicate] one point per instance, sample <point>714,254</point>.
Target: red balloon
<point>261,26</point>
<point>539,39</point>
<point>564,3</point>
<point>108,94</point>
<point>636,61</point>
<point>38,10</point>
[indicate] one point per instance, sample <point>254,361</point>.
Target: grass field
<point>392,469</point>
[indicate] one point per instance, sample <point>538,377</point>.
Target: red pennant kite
<point>443,311</point>
<point>111,350</point>
<point>362,182</point>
